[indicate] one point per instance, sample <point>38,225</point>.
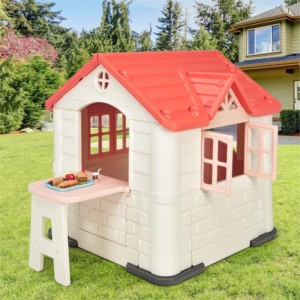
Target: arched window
<point>108,133</point>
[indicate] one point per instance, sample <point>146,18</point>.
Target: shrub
<point>11,122</point>
<point>24,88</point>
<point>290,121</point>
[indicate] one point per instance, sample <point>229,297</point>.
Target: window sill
<point>265,54</point>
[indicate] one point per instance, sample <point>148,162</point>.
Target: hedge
<point>290,121</point>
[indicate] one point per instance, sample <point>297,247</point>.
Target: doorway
<point>297,95</point>
<point>105,140</point>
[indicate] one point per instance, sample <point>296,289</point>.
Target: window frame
<point>260,150</point>
<point>113,132</point>
<point>124,131</point>
<point>261,144</point>
<point>271,36</point>
<point>214,161</point>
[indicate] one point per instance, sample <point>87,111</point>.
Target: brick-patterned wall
<point>138,227</point>
<point>217,219</point>
<point>104,217</point>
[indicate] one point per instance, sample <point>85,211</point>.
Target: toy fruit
<point>70,176</point>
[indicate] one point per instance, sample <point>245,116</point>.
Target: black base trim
<point>71,242</point>
<point>170,280</point>
<point>264,238</point>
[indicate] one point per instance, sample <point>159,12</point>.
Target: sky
<point>87,13</point>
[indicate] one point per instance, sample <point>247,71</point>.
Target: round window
<point>102,81</point>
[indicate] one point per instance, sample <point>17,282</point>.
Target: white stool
<point>57,248</point>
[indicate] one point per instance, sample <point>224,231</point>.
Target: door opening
<point>297,95</point>
<point>105,140</point>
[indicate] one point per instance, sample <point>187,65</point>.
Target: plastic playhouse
<point>174,195</point>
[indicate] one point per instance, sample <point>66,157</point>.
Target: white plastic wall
<point>164,168</point>
<point>224,225</point>
<point>100,226</point>
<point>67,118</point>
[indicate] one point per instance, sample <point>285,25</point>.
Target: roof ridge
<point>293,10</point>
<point>284,9</point>
<point>296,8</point>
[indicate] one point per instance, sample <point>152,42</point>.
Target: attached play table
<point>53,205</point>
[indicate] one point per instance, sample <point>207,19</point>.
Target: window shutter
<point>260,150</point>
<point>216,162</point>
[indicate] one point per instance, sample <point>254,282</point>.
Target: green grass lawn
<point>271,271</point>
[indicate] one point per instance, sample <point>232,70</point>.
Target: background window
<point>251,42</point>
<point>275,38</point>
<point>264,39</point>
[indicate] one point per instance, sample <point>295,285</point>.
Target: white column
<point>165,197</point>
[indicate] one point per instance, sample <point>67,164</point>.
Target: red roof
<point>180,89</point>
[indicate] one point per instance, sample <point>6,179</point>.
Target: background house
<point>269,52</point>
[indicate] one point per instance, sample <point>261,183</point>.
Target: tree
<point>202,40</point>
<point>290,2</point>
<point>25,47</point>
<point>169,35</point>
<point>217,20</point>
<point>25,86</point>
<point>96,41</point>
<point>29,17</point>
<point>143,41</point>
<point>32,18</point>
<point>113,34</point>
<point>184,38</point>
<point>39,81</point>
<point>121,37</point>
<point>106,18</point>
<point>3,15</point>
<point>11,97</point>
<point>77,57</point>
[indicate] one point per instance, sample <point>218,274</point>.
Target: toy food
<point>81,177</point>
<point>56,181</point>
<point>67,183</point>
<point>69,176</point>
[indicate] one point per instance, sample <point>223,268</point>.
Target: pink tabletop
<point>104,186</point>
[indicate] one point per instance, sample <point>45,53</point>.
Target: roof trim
<point>270,65</point>
<point>235,28</point>
<point>278,13</point>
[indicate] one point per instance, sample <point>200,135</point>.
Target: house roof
<point>291,12</point>
<point>180,89</point>
<point>287,61</point>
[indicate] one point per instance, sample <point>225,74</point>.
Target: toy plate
<point>74,187</point>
